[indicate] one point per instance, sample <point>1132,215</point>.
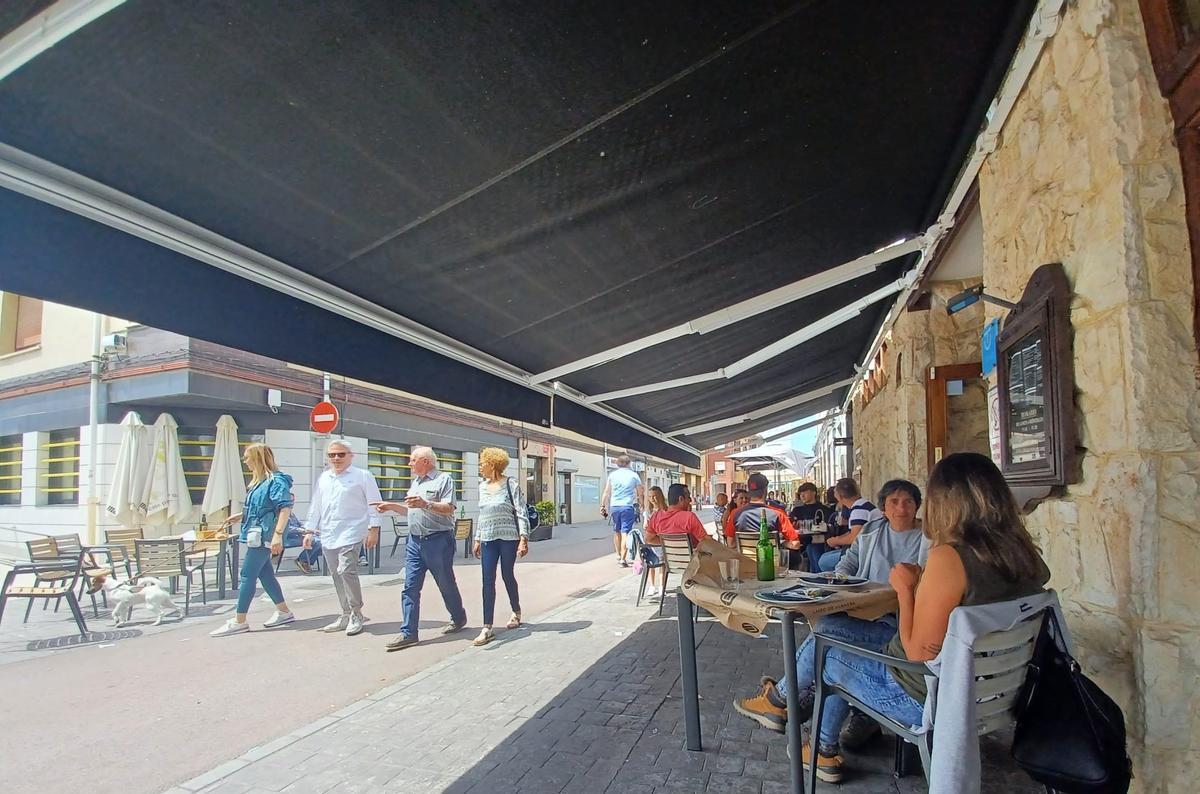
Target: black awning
<point>537,182</point>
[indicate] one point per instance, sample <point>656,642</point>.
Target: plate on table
<point>796,594</point>
<point>829,581</point>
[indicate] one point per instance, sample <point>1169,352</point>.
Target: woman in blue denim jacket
<point>264,519</point>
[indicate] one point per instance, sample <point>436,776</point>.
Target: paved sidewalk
<point>585,699</point>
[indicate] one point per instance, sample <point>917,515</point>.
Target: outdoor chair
<point>61,549</point>
<point>1001,662</point>
<point>120,544</point>
<point>299,549</point>
<point>676,555</point>
<point>48,584</point>
<point>400,528</point>
<point>747,543</point>
<point>464,528</point>
<point>70,545</point>
<point>167,557</point>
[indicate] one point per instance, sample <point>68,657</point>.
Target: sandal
<point>485,636</point>
<point>514,621</point>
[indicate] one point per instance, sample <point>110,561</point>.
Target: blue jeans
<point>829,560</point>
<point>311,556</point>
<point>435,554</point>
<point>257,567</point>
<point>871,634</point>
<point>503,552</point>
<point>869,681</point>
<point>814,552</point>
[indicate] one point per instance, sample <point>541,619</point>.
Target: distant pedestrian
<point>342,513</point>
<point>502,537</point>
<point>622,498</point>
<point>264,520</point>
<point>430,546</point>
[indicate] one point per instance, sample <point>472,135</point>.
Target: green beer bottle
<point>764,552</point>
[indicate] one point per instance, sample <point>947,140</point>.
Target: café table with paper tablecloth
<point>736,608</point>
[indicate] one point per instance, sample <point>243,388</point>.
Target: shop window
<point>389,463</point>
<point>62,459</point>
<point>587,490</point>
<point>451,462</point>
<point>10,469</point>
<point>196,448</point>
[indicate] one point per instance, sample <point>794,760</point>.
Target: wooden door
<point>938,406</point>
<point>1173,34</point>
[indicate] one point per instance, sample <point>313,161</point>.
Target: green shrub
<point>547,512</point>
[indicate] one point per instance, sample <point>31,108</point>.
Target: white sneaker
<point>337,625</point>
<point>278,619</point>
<point>230,626</point>
<point>355,626</point>
<point>652,593</point>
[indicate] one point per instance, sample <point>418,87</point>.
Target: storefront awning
<point>591,214</point>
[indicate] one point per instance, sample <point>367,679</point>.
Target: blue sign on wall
<point>991,332</point>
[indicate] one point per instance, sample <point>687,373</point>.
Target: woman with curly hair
<point>502,537</point>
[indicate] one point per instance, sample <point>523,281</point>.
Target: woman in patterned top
<point>502,537</point>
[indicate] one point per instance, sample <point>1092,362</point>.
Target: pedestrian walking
<point>342,515</point>
<point>263,522</point>
<point>623,496</point>
<point>502,537</point>
<point>430,546</point>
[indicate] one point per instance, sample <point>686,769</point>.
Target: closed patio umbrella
<point>133,459</point>
<point>165,496</point>
<point>226,489</point>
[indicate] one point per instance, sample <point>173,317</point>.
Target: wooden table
<point>738,610</point>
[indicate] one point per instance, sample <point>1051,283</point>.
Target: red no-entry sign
<point>324,417</point>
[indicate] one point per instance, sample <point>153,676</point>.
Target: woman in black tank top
<point>981,554</point>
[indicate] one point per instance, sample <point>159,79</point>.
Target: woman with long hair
<point>503,536</point>
<point>655,502</point>
<point>981,553</point>
<point>264,520</point>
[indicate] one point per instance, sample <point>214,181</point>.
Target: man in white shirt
<point>341,512</point>
<point>623,497</point>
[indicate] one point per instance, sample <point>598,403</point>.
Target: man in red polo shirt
<point>677,519</point>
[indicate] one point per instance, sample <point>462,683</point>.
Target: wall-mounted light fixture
<point>971,296</point>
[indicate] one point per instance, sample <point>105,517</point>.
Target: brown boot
<point>829,767</point>
<point>768,708</point>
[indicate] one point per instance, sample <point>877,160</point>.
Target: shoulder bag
<point>1070,736</point>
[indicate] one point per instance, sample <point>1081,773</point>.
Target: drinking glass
<point>730,572</point>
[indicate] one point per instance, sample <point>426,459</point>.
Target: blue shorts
<point>622,518</point>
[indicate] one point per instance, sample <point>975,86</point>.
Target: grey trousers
<point>343,567</point>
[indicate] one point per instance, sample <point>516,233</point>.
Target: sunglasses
<point>339,455</point>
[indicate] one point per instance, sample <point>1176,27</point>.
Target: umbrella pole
<point>93,507</point>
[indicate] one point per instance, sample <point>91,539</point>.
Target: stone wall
<point>891,427</point>
<point>1086,173</point>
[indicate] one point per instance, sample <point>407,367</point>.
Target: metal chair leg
<point>203,586</point>
<point>29,607</point>
<point>642,585</point>
<point>818,712</point>
<point>77,612</point>
<point>187,597</point>
<point>925,745</point>
<point>662,596</point>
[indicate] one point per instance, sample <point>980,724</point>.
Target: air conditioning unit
<point>114,343</point>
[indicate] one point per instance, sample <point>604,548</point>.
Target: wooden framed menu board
<point>1036,373</point>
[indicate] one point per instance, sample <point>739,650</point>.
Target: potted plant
<point>547,512</point>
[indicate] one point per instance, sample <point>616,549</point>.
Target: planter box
<point>542,532</point>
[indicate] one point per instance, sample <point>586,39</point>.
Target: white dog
<point>124,596</point>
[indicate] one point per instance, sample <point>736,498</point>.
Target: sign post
<point>324,417</point>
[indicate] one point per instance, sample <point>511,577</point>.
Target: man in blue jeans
<point>622,498</point>
<point>430,546</point>
<point>879,546</point>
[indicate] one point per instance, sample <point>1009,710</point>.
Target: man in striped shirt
<point>860,513</point>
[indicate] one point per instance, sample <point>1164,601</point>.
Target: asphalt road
<point>141,714</point>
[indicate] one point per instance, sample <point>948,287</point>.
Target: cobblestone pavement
<point>585,699</point>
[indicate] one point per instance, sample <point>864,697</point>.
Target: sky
<point>803,440</point>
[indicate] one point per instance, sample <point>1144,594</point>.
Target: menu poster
<point>1027,434</point>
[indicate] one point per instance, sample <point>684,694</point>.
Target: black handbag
<point>1069,736</point>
